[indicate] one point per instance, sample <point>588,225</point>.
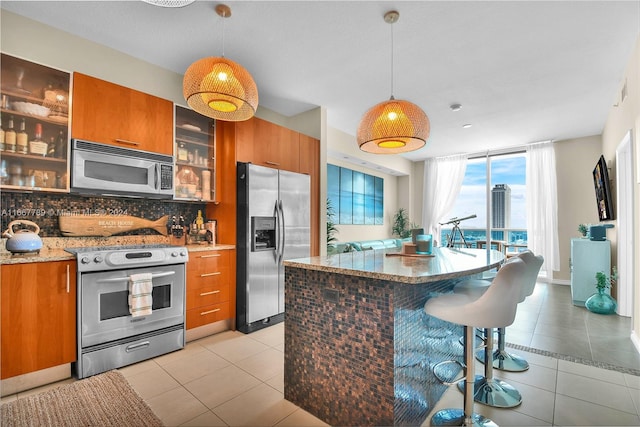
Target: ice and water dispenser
<point>263,233</point>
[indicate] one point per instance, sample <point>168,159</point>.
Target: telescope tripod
<point>451,238</point>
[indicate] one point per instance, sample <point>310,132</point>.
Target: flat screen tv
<point>603,190</point>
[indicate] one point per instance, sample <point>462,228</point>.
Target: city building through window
<point>494,191</point>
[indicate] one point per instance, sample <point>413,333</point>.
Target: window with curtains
<point>356,197</point>
<point>506,193</point>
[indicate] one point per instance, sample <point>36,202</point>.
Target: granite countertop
<point>447,263</point>
<point>53,248</point>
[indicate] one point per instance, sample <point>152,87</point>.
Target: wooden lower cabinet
<point>210,282</point>
<point>38,316</point>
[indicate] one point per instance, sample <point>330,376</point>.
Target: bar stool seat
<point>493,309</point>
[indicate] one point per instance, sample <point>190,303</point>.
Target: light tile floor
<point>232,379</point>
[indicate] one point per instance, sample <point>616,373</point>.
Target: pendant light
<point>220,88</point>
<point>393,126</point>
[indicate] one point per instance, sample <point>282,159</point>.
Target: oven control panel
<point>98,260</point>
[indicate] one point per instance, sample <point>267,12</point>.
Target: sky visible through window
<point>508,169</point>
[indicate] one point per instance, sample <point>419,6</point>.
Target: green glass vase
<point>601,303</point>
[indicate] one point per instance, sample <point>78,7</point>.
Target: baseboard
<point>35,379</point>
<point>635,339</point>
<point>206,330</point>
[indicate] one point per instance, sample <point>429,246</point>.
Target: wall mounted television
<point>603,190</point>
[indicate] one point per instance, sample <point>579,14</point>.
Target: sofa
<point>363,245</point>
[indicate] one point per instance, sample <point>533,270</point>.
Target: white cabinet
<point>587,258</point>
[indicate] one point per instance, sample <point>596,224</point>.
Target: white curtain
<point>442,183</point>
<point>542,205</point>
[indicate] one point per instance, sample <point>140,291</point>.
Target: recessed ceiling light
<point>169,3</point>
<point>455,107</point>
<point>467,125</point>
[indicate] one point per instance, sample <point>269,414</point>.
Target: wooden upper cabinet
<point>267,144</point>
<point>244,140</point>
<point>310,165</point>
<point>111,114</point>
<point>38,327</point>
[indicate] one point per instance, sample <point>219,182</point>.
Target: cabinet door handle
<point>210,293</point>
<point>273,163</point>
<point>204,313</point>
<point>68,278</point>
<point>209,256</point>
<point>126,141</point>
<point>210,274</point>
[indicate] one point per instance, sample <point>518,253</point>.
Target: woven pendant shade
<point>219,88</point>
<point>393,126</point>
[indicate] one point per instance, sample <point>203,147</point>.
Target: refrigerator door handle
<point>276,252</point>
<point>284,236</point>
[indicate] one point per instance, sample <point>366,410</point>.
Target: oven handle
<point>122,279</point>
<point>139,346</point>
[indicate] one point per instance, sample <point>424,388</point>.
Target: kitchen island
<point>359,349</point>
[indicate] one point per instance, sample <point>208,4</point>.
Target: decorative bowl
<point>31,108</point>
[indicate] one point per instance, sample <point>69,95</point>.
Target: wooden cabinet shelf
<point>193,166</point>
<point>54,121</point>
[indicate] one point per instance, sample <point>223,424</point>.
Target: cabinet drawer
<point>207,295</point>
<point>207,314</point>
<point>208,277</point>
<point>207,261</point>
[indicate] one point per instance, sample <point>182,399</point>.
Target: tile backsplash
<point>44,209</point>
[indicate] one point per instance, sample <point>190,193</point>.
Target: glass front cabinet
<point>34,113</point>
<point>195,156</point>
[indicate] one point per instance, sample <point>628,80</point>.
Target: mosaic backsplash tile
<point>44,209</point>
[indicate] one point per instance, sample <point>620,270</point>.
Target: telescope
<point>457,220</point>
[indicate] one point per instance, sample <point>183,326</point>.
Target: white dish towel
<point>140,298</point>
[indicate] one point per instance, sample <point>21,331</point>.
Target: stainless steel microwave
<point>109,170</point>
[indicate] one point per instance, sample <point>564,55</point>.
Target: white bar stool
<point>494,308</point>
<point>501,358</point>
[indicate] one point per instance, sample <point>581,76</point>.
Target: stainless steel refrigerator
<point>273,225</point>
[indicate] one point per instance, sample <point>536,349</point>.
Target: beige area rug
<point>103,400</point>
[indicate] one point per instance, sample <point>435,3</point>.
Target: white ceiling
<point>523,71</point>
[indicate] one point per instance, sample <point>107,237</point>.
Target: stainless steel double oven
<point>108,335</point>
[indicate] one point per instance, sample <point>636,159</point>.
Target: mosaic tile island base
<point>359,349</point>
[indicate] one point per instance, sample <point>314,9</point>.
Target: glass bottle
<point>10,137</point>
<point>35,145</point>
<point>22,139</point>
<point>1,136</point>
<point>61,146</point>
<point>51,149</point>
<point>183,154</point>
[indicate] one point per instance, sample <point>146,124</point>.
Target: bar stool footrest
<point>442,379</point>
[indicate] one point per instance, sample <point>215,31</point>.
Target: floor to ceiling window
<point>492,202</point>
